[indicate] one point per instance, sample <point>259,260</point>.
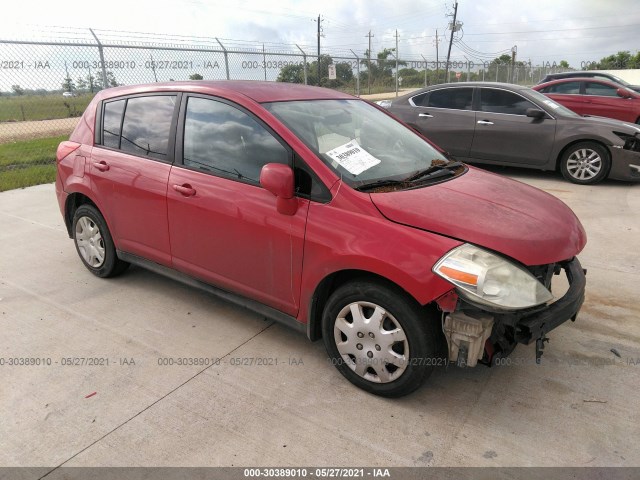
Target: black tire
<point>585,163</point>
<point>409,369</point>
<point>94,243</point>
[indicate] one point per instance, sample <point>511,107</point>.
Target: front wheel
<point>585,163</point>
<point>379,338</point>
<point>94,243</point>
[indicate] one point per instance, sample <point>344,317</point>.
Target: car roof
<point>578,79</point>
<point>509,86</point>
<point>258,91</point>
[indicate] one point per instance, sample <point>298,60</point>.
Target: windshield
<point>360,143</point>
<point>551,106</point>
<point>620,81</point>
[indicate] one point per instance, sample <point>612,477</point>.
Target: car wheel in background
<point>379,338</point>
<point>585,163</point>
<point>94,244</point>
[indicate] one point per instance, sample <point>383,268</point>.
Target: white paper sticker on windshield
<point>551,104</point>
<point>353,157</point>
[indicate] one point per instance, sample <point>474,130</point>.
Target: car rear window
<point>145,128</point>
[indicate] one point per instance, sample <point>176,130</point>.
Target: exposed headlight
<point>483,277</point>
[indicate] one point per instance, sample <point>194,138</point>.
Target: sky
<point>543,31</point>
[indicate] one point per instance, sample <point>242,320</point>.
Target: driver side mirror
<point>279,180</point>
<point>623,93</point>
<point>536,113</point>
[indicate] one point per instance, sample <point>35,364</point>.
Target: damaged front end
<point>625,164</point>
<point>498,304</point>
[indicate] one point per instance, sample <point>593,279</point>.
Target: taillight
<point>65,148</point>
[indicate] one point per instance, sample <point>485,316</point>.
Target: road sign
<point>332,72</point>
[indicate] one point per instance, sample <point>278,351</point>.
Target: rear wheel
<point>585,163</point>
<point>379,338</point>
<point>94,243</point>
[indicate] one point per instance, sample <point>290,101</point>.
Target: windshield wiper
<point>435,171</point>
<point>380,183</point>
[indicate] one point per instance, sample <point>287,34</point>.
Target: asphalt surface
<point>266,396</point>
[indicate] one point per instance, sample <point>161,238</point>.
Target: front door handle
<point>427,115</point>
<point>185,189</point>
<point>484,122</point>
<point>101,165</point>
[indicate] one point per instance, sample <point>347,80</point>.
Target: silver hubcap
<point>90,242</point>
<point>584,164</point>
<point>371,342</point>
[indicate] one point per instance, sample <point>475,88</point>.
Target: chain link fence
<point>45,85</point>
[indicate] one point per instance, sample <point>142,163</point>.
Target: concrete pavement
<point>273,398</point>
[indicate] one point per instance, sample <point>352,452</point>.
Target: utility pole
<point>369,63</point>
<point>453,29</point>
<point>396,63</point>
<point>514,50</point>
<point>437,56</point>
<point>319,35</point>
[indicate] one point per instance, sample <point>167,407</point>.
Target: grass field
<point>32,162</point>
<point>41,107</point>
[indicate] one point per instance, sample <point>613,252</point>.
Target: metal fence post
<point>357,73</point>
<point>105,83</point>
<point>264,62</point>
<point>304,59</point>
<point>226,57</point>
<point>425,70</point>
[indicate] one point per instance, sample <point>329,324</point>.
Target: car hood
<point>491,211</point>
<point>625,127</point>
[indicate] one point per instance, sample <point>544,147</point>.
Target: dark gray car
<point>504,124</point>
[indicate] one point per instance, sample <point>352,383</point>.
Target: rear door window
<point>146,126</point>
<point>452,98</point>
<point>567,88</point>
<point>600,89</point>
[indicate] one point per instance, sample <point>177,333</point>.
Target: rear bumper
<point>535,325</point>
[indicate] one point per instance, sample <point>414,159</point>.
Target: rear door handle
<point>101,165</point>
<point>484,122</point>
<point>185,189</point>
<point>427,115</point>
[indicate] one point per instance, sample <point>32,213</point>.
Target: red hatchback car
<point>592,96</point>
<point>321,211</point>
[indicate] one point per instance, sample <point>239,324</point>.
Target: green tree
<point>196,76</point>
<point>111,81</point>
<point>17,89</point>
<point>292,74</point>
<point>411,77</point>
<point>295,73</point>
<point>564,64</point>
<point>81,84</point>
<point>620,61</point>
<point>68,85</point>
<point>381,68</point>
